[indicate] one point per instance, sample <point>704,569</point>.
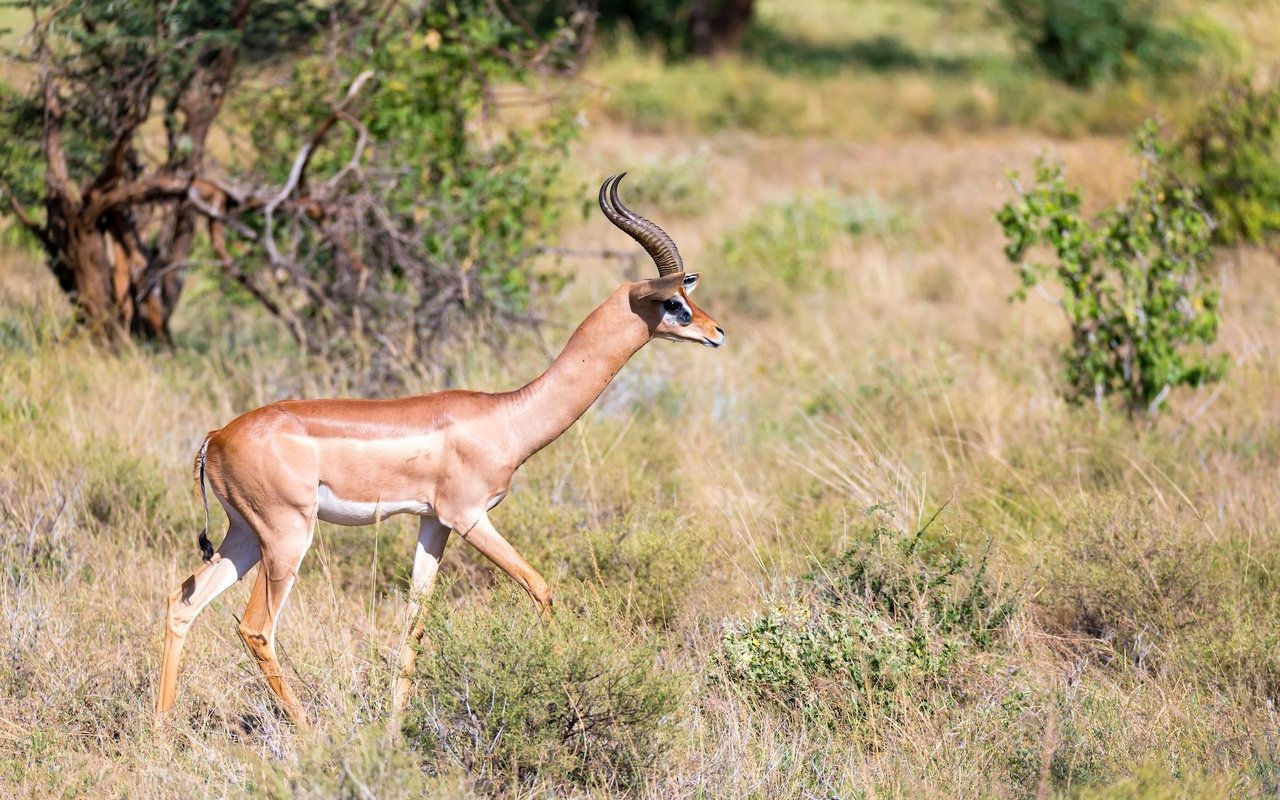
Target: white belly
<point>331,508</point>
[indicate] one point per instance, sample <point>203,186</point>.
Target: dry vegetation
<point>1123,640</point>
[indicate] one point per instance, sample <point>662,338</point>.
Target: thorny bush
<point>867,631</point>
<point>575,702</point>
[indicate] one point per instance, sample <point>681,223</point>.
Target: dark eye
<point>673,305</point>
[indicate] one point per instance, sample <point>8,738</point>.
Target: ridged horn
<point>653,239</point>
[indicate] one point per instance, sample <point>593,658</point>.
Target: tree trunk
<point>716,25</point>
<point>106,274</point>
<point>118,241</point>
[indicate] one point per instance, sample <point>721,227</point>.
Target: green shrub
<point>1135,283</point>
<point>509,698</point>
<point>1233,146</point>
<point>878,624</point>
<point>1084,42</point>
<point>783,250</point>
<point>450,237</point>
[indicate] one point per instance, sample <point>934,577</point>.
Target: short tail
<point>197,474</point>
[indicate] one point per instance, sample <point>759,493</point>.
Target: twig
<point>363,790</point>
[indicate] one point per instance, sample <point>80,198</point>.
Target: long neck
<point>602,344</point>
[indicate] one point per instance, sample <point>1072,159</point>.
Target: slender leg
<point>485,538</point>
<point>275,578</point>
<point>236,556</point>
<point>432,538</point>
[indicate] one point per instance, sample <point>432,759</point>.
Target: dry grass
<point>910,382</point>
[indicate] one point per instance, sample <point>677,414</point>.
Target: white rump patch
<point>331,508</point>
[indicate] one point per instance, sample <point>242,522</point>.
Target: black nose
<point>720,330</point>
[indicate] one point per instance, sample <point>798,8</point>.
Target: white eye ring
<point>679,312</point>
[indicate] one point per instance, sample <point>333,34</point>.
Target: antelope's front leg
<point>432,538</point>
<point>485,538</point>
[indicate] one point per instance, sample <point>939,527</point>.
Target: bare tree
<point>118,232</point>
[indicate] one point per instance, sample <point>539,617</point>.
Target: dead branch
<point>156,187</point>
<point>300,162</point>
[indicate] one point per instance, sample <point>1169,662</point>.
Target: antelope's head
<point>663,302</point>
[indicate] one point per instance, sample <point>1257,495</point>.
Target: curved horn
<point>653,239</point>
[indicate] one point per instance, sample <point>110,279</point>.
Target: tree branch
<point>157,187</point>
<point>196,198</point>
<point>24,216</point>
<point>339,113</point>
<point>57,176</point>
<point>114,169</point>
<point>302,160</point>
<point>135,96</point>
<point>56,173</point>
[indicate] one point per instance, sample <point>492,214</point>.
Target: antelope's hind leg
<point>235,556</point>
<point>289,539</point>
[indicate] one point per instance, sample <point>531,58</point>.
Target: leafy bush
<point>1233,146</point>
<point>578,701</point>
<point>878,623</point>
<point>1084,42</point>
<point>1136,289</point>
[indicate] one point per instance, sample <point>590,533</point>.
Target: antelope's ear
<point>659,289</point>
<point>691,282</point>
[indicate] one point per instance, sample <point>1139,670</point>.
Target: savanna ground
<point>731,534</point>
